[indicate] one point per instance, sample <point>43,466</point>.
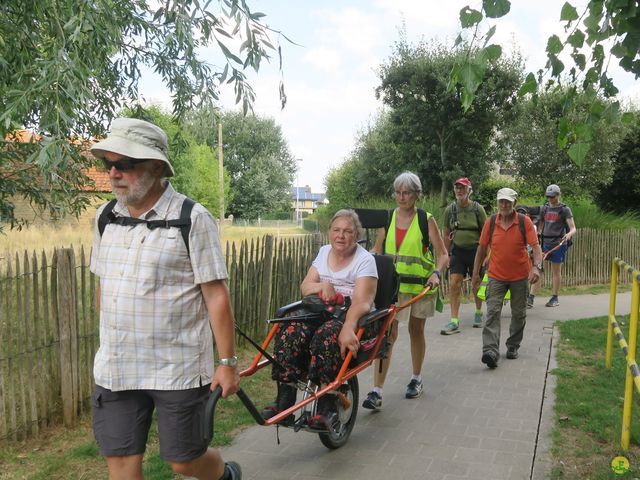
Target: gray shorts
<point>121,421</point>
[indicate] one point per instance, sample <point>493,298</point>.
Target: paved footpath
<point>471,422</point>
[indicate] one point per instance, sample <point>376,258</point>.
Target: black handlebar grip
<point>209,411</point>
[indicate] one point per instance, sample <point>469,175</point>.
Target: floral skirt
<point>309,350</point>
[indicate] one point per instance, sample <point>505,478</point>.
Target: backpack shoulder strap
<point>423,223</point>
<point>183,223</point>
<point>492,227</point>
<point>476,209</point>
<point>185,218</point>
<point>389,218</point>
<point>522,230</point>
<point>453,216</point>
<point>106,216</point>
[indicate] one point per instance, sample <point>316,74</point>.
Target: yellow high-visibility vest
<point>412,264</point>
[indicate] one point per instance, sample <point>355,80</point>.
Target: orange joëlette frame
<point>345,373</point>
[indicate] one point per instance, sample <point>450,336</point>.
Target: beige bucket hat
<point>136,139</point>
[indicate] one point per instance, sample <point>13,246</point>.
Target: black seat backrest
<point>388,284</point>
<point>372,218</point>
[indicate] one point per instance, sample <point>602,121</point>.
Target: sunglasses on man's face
<point>123,165</point>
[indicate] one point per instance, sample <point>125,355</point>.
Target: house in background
<point>304,202</point>
<point>97,192</point>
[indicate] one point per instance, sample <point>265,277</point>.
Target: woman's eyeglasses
<point>403,194</point>
<point>123,165</point>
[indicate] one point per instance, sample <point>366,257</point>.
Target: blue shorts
<point>557,256</point>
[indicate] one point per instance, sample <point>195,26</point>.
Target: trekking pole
<point>546,254</point>
<point>413,300</point>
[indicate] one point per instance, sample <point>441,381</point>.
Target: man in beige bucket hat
<point>161,297</point>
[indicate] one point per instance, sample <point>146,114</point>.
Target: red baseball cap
<point>463,181</point>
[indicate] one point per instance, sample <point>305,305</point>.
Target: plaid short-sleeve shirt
<point>154,325</point>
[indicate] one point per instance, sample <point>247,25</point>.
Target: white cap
<point>507,194</point>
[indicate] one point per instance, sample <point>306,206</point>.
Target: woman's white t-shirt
<point>344,281</point>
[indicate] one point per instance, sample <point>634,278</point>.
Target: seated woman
<point>315,351</point>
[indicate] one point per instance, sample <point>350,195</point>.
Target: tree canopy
<point>424,128</point>
<point>435,136</point>
<point>530,143</point>
<point>68,67</point>
<point>606,31</point>
<point>622,192</point>
<point>260,166</point>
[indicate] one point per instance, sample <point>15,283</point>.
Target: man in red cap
<point>463,222</point>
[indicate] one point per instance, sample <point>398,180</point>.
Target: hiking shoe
<point>553,302</point>
<point>373,401</point>
<point>529,301</point>
<point>326,413</point>
<point>512,353</point>
<point>490,359</point>
<point>450,329</point>
<point>477,320</point>
<point>414,389</point>
<point>286,399</point>
<point>232,471</point>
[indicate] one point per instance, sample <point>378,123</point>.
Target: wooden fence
<point>49,323</point>
<point>49,320</point>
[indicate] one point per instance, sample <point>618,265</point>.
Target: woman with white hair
<point>411,231</point>
<point>314,350</point>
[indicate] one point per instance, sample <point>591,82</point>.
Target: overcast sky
<point>330,79</point>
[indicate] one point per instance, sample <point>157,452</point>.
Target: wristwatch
<point>438,274</point>
<point>229,362</point>
<point>538,266</point>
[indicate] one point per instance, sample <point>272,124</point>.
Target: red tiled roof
<point>99,176</point>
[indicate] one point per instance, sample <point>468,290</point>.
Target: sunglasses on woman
<point>123,165</point>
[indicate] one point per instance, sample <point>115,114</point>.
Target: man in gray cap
<point>556,227</point>
<point>507,235</point>
<point>162,294</point>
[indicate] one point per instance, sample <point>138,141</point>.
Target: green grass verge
<point>588,405</point>
<point>72,454</point>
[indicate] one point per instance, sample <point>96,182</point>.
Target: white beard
<point>138,190</point>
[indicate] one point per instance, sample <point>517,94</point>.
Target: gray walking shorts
<point>121,421</point>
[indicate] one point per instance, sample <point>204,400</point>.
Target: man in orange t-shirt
<point>509,269</point>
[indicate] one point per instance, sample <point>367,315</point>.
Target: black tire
<point>347,417</point>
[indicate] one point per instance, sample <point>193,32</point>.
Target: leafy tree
<point>605,29</point>
<point>531,142</point>
<point>434,135</point>
<point>622,193</point>
<point>260,166</point>
<point>68,66</point>
<point>342,183</point>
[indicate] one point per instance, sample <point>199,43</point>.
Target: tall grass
<point>47,237</point>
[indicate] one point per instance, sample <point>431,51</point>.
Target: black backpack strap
<point>522,229</point>
<point>476,209</point>
<point>185,219</point>
<point>492,227</point>
<point>453,217</point>
<point>423,223</point>
<point>106,216</point>
<point>183,223</point>
<point>386,229</point>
